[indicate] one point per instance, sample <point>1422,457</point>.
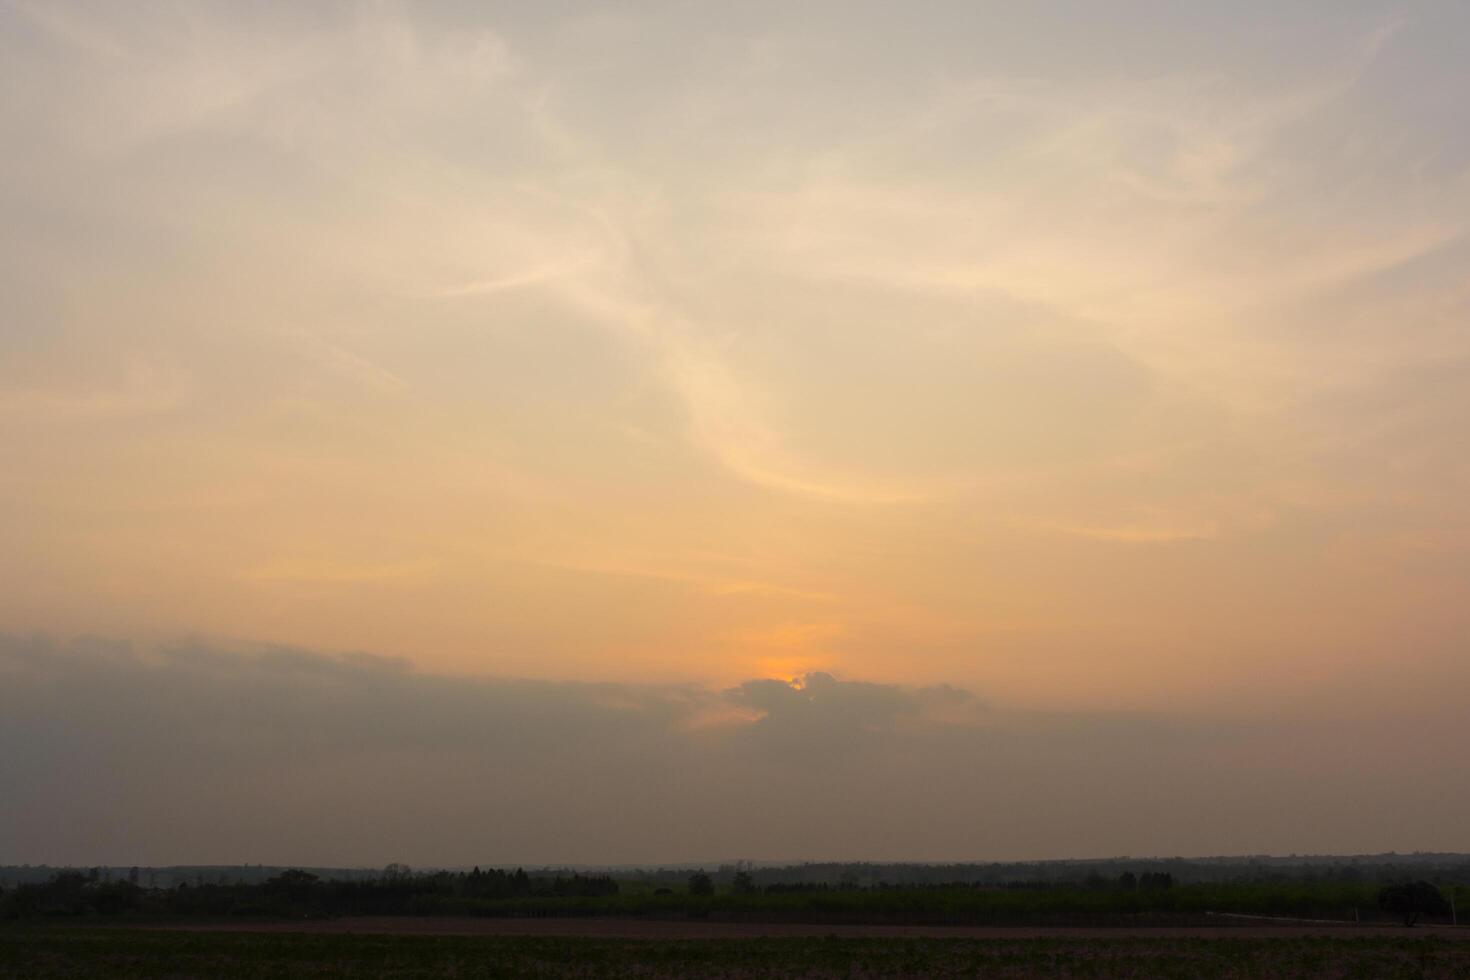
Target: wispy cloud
<point>1021,346</point>
<point>348,364</point>
<point>515,280</point>
<point>146,388</point>
<point>334,572</point>
<point>1132,534</point>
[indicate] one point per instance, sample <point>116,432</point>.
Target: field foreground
<point>745,951</point>
<point>607,927</point>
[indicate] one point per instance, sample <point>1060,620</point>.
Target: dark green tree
<point>701,884</point>
<point>1413,901</point>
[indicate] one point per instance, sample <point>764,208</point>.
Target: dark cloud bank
<point>195,754</point>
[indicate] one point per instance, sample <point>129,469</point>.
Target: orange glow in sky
<point>1088,361</point>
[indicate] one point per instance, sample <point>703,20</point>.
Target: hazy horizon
<point>732,863</point>
<point>282,755</point>
<point>612,433</point>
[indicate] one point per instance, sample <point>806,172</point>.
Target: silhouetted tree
<point>293,886</point>
<point>294,878</point>
<point>1413,901</point>
<point>743,883</point>
<point>701,884</point>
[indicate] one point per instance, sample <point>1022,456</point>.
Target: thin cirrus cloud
<point>1098,359</point>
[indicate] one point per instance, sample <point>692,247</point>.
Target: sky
<point>686,431</point>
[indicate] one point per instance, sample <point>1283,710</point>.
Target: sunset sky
<point>1075,395</point>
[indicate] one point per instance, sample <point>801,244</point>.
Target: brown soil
<point>682,929</point>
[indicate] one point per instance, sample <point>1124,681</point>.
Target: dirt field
<point>572,949</point>
<point>610,928</point>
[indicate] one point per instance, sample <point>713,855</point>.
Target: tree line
<point>740,895</point>
<point>396,891</point>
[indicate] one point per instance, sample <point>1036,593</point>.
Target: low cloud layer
<point>196,754</point>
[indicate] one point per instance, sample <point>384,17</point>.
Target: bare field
<point>569,949</point>
<point>616,928</point>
